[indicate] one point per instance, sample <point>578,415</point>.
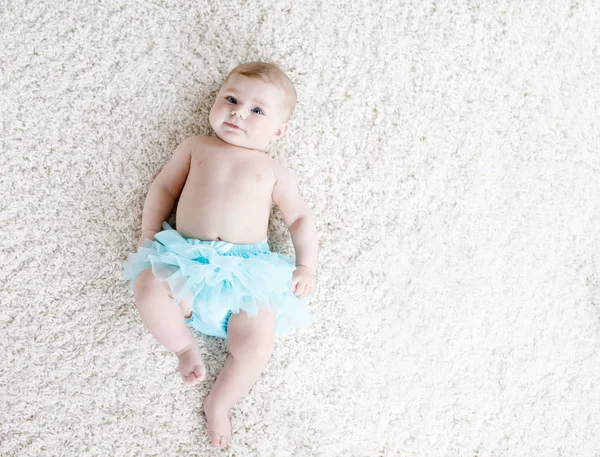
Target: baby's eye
<point>258,111</point>
<point>230,99</point>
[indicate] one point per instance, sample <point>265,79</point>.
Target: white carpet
<point>451,157</point>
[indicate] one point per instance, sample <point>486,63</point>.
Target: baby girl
<point>215,273</point>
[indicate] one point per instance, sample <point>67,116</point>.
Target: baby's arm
<point>297,217</point>
<point>165,189</point>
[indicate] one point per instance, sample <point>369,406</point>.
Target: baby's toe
<point>215,438</point>
<point>225,440</point>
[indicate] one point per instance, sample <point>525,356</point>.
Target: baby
<point>215,273</point>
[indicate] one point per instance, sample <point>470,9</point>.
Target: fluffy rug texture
<point>449,152</point>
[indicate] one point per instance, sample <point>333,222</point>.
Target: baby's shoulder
<point>198,140</point>
<point>200,144</point>
<point>281,172</point>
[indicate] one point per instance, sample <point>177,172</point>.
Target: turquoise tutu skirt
<point>224,278</point>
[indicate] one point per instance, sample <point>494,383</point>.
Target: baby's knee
<point>252,343</point>
<point>259,350</point>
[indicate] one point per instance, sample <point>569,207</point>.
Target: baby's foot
<point>190,365</point>
<point>218,425</point>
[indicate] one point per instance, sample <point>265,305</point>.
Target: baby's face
<point>254,106</point>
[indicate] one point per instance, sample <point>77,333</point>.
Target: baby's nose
<point>239,113</point>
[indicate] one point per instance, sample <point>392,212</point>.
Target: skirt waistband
<point>170,237</point>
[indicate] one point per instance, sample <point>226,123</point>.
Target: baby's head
<point>258,98</point>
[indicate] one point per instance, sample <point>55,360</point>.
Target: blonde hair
<point>270,73</point>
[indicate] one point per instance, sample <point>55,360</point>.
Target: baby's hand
<point>303,281</point>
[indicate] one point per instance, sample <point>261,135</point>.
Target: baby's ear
<point>280,131</point>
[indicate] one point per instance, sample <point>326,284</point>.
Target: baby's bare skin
<point>227,194</point>
<point>226,185</point>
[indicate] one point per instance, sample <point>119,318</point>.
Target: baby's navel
<point>201,163</point>
<point>259,178</point>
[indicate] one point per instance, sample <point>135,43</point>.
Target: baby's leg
<point>251,343</point>
<point>164,318</point>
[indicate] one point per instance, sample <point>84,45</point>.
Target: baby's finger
<point>294,283</point>
<point>300,289</point>
<point>308,291</point>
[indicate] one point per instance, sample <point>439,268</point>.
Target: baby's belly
<point>240,219</point>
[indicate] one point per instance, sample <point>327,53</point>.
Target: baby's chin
<point>235,141</point>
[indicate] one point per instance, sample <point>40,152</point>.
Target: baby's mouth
<point>233,126</point>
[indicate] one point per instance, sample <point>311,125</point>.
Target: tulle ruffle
<point>222,277</point>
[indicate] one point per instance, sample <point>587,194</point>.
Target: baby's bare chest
<point>231,174</point>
